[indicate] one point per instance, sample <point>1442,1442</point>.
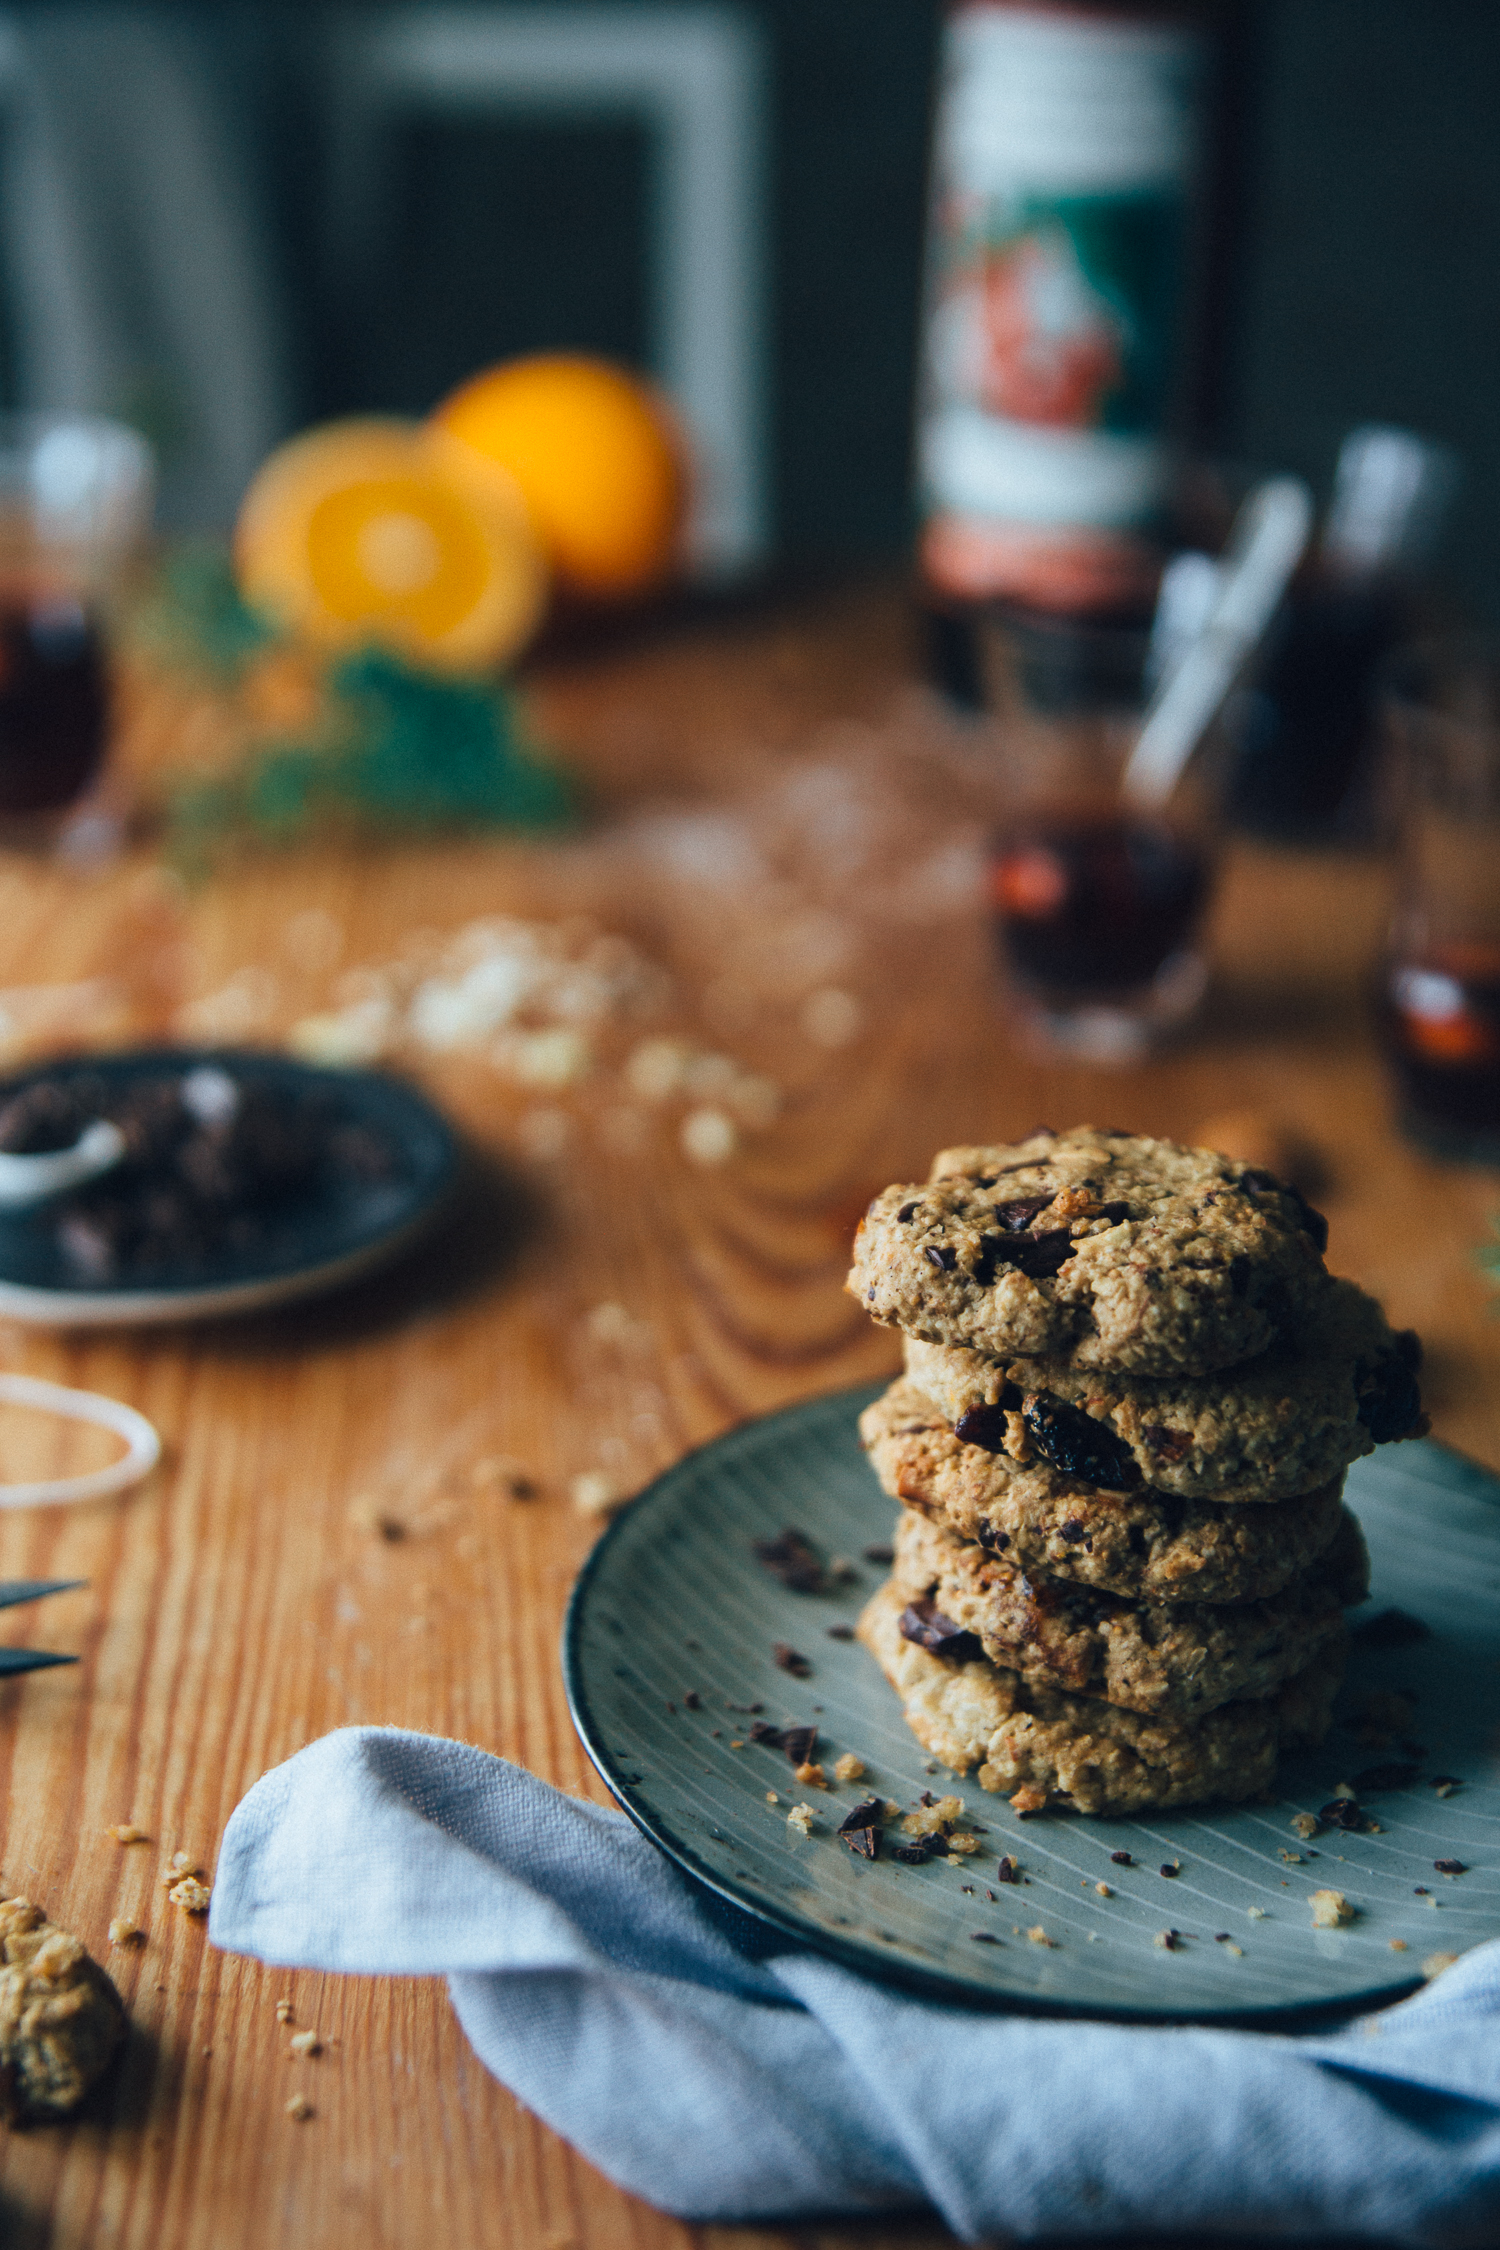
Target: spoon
<point>1267,542</point>
<point>26,1180</point>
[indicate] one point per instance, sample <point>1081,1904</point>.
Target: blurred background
<point>225,222</point>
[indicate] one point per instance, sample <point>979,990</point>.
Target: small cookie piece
<point>1171,1661</point>
<point>1115,1250</point>
<point>1282,1425</point>
<point>60,2017</point>
<point>1048,1750</point>
<point>1141,1543</point>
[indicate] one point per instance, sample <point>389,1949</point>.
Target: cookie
<point>1047,1749</point>
<point>1173,1660</point>
<point>60,2017</point>
<point>1109,1249</point>
<point>1144,1544</point>
<point>1280,1425</point>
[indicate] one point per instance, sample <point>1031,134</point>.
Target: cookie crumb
<point>812,1776</point>
<point>301,2108</point>
<point>849,1768</point>
<point>180,1864</point>
<point>1398,1945</point>
<point>126,1832</point>
<point>1306,1825</point>
<point>1293,1859</point>
<point>772,1798</point>
<point>1104,1890</point>
<point>594,1494</point>
<point>191,1895</point>
<point>1330,1909</point>
<point>801,1817</point>
<point>1169,1940</point>
<point>305,2043</point>
<point>122,1932</point>
<point>1038,1935</point>
<point>1256,1913</point>
<point>284,2011</point>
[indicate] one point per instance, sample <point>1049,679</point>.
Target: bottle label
<point>1055,283</point>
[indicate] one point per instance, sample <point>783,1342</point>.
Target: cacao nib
<point>760,1731</point>
<point>1393,1628</point>
<point>794,1560</point>
<point>866,1814</point>
<point>1341,1812</point>
<point>1450,1866</point>
<point>1072,1531</point>
<point>1015,1218</point>
<point>995,1541</point>
<point>983,1426</point>
<point>692,1700</point>
<point>938,1254</point>
<point>1171,1445</point>
<point>984,1937</point>
<point>905,1213</point>
<point>1075,1443</point>
<point>1390,1403</point>
<point>864,1841</point>
<point>1385,1777</point>
<point>1312,1222</point>
<point>1038,1256</point>
<point>790,1660</point>
<point>1122,1859</point>
<point>1171,1867</point>
<point>1114,1212</point>
<point>841,1632</point>
<point>924,1623</point>
<point>882,1552</point>
<point>1009,1870</point>
<point>799,1744</point>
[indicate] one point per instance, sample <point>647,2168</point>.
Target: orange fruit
<point>597,459</point>
<point>390,532</point>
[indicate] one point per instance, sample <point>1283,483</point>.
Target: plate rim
<point>150,1305</point>
<point>931,1984</point>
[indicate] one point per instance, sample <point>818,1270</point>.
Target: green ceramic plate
<point>673,1604</point>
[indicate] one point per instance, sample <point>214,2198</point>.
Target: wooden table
<point>247,1600</point>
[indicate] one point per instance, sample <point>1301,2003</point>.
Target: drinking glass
<point>1440,978</point>
<point>75,498</point>
<point>1098,907</point>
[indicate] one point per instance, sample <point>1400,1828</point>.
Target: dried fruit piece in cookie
<point>1073,1752</point>
<point>1140,1543</point>
<point>1118,1251</point>
<point>1280,1425</point>
<point>60,2017</point>
<point>1174,1661</point>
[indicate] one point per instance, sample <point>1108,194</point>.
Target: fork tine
<point>13,1590</point>
<point>29,1660</point>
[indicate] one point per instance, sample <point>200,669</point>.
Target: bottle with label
<point>1064,158</point>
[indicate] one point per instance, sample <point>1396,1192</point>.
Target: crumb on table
<point>122,1932</point>
<point>126,1832</point>
<point>191,1895</point>
<point>849,1768</point>
<point>1330,1909</point>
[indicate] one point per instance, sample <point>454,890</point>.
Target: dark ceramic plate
<point>319,1240</point>
<point>673,1601</point>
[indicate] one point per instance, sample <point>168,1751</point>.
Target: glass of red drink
<point>75,497</point>
<point>1439,997</point>
<point>1098,908</point>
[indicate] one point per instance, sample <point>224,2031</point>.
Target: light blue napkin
<point>704,2066</point>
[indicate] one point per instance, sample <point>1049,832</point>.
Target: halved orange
<point>386,531</point>
<point>598,459</point>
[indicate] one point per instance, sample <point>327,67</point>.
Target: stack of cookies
<point>1132,1391</point>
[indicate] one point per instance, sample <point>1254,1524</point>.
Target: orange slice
<point>385,531</point>
<point>598,461</point>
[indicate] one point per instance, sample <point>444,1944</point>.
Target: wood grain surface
<point>330,1540</point>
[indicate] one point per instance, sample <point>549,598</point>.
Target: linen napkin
<point>706,2065</point>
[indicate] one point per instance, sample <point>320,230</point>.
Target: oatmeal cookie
<point>1046,1749</point>
<point>1170,1660</point>
<point>60,2017</point>
<point>1280,1425</point>
<point>1142,1543</point>
<point>1116,1251</point>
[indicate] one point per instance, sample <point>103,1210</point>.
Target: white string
<point>143,1446</point>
